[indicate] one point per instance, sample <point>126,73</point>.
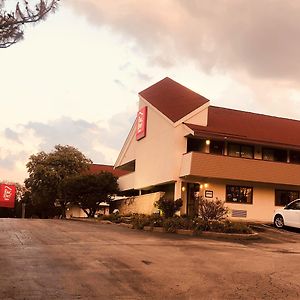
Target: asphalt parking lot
<point>57,259</point>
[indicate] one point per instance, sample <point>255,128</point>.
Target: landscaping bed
<point>180,225</point>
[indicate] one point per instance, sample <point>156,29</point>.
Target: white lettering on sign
<point>140,123</point>
<point>7,193</point>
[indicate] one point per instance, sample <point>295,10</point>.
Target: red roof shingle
<point>251,127</point>
<point>96,168</point>
<point>172,99</point>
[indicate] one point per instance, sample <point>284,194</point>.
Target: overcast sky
<point>74,79</point>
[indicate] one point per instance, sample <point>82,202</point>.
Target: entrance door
<point>192,199</point>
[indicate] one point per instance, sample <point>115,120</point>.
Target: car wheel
<point>278,221</point>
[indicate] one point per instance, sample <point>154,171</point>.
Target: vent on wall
<point>238,213</point>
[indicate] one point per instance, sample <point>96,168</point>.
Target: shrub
<point>212,210</point>
<point>168,206</point>
<point>138,221</point>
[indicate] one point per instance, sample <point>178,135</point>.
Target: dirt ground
<point>57,259</point>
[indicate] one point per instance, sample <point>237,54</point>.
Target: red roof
<point>172,99</point>
<point>96,168</point>
<point>251,127</point>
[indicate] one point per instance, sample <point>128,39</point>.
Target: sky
<point>74,79</point>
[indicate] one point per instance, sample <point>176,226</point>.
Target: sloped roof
<point>172,99</point>
<point>251,127</point>
<point>96,168</point>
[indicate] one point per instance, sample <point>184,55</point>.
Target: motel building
<point>183,147</point>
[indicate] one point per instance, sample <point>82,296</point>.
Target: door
<point>192,199</point>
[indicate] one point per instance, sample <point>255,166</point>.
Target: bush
<point>138,221</point>
<point>168,206</point>
<point>212,210</point>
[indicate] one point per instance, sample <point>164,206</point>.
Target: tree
<point>89,190</point>
<point>47,172</point>
<point>12,23</point>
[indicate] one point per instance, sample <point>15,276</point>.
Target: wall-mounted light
<point>183,188</point>
<point>201,186</point>
<point>207,142</point>
<point>206,185</point>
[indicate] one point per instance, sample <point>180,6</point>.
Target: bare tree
<point>12,23</point>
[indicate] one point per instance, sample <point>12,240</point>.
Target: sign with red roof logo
<point>141,124</point>
<point>7,195</point>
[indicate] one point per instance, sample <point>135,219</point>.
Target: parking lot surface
<point>61,259</point>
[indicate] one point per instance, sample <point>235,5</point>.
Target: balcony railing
<point>204,165</point>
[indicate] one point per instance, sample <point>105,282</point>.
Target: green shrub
<point>237,227</point>
<point>138,221</point>
<point>212,210</point>
<point>168,206</point>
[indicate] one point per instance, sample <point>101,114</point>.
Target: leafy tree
<point>89,190</point>
<point>12,23</point>
<point>47,172</point>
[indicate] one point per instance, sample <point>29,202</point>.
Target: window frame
<point>239,188</point>
<point>240,148</point>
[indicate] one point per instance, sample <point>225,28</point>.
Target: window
<point>239,194</point>
<point>274,155</point>
<point>216,147</point>
<point>284,197</point>
<point>237,150</point>
<point>195,145</point>
<point>295,157</point>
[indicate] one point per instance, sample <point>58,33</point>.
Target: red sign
<point>141,124</point>
<point>7,195</point>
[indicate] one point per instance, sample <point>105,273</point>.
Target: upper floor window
<point>195,145</point>
<point>238,150</point>
<point>284,197</point>
<point>295,157</point>
<point>274,154</point>
<point>216,147</point>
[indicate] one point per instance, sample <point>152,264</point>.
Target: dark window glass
<point>239,194</point>
<point>216,147</point>
<point>247,151</point>
<point>284,197</point>
<point>234,150</point>
<point>295,157</point>
<point>274,155</point>
<point>194,145</point>
<point>238,150</point>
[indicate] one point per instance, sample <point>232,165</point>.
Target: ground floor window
<point>284,197</point>
<point>239,194</point>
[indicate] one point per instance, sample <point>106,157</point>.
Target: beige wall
<point>261,209</point>
<point>143,204</point>
<point>158,155</point>
<point>76,212</point>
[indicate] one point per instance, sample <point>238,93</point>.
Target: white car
<point>288,215</point>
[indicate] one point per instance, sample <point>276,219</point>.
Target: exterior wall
<point>143,204</point>
<point>235,168</point>
<point>200,118</point>
<point>76,212</point>
<point>158,155</point>
<point>263,204</point>
<point>262,207</point>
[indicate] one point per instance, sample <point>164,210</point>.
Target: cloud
<point>100,141</point>
<point>257,37</point>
